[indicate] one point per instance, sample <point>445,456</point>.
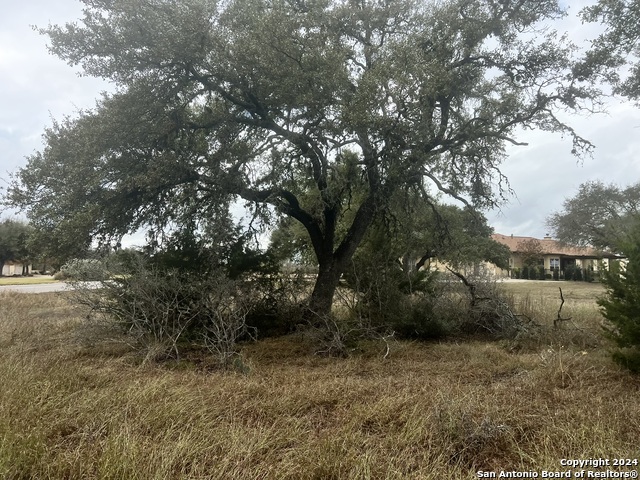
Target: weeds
<point>427,411</point>
<point>163,312</point>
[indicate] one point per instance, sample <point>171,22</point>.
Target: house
<point>553,255</point>
<point>12,267</point>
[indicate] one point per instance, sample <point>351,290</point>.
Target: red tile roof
<point>550,246</point>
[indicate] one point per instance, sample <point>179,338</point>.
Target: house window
<point>554,263</point>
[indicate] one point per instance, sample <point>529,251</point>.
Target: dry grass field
<point>71,409</point>
<point>38,279</point>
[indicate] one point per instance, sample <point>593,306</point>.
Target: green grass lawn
<point>27,280</point>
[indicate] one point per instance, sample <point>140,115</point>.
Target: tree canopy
<point>617,47</point>
<point>265,100</point>
<point>599,215</point>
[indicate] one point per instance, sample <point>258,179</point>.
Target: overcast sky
<point>36,87</point>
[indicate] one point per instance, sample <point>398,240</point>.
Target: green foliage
<point>321,110</point>
<point>599,215</point>
<point>577,275</point>
<point>278,301</point>
<point>617,49</point>
<point>569,272</point>
<point>244,259</point>
<point>388,299</point>
<point>531,252</point>
<point>421,319</point>
<point>188,292</point>
<point>83,270</point>
<point>390,271</point>
<point>290,243</point>
<point>622,303</point>
<point>589,274</point>
<point>412,232</point>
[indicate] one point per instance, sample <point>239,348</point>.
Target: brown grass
<point>580,324</point>
<point>576,291</point>
<point>428,411</point>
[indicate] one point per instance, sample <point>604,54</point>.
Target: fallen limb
<point>559,318</point>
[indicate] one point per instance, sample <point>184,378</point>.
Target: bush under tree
<point>179,298</point>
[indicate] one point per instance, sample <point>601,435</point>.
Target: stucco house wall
<point>11,268</point>
<point>555,255</point>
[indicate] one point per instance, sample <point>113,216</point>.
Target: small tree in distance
<point>531,252</point>
<point>598,215</point>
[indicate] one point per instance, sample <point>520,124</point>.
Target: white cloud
<point>34,85</point>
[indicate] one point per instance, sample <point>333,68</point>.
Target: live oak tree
<point>617,47</point>
<point>395,259</point>
<point>240,99</point>
<point>412,232</point>
<point>419,230</point>
<point>457,236</point>
<point>599,215</point>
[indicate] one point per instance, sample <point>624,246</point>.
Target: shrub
<point>163,311</point>
<point>278,303</point>
<point>423,320</point>
<point>83,270</point>
<point>621,305</point>
<point>588,274</point>
<point>577,274</point>
<point>569,272</point>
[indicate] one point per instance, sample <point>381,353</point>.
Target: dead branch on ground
<point>559,318</point>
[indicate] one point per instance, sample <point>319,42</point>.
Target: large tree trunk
<point>324,289</point>
<point>332,264</point>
